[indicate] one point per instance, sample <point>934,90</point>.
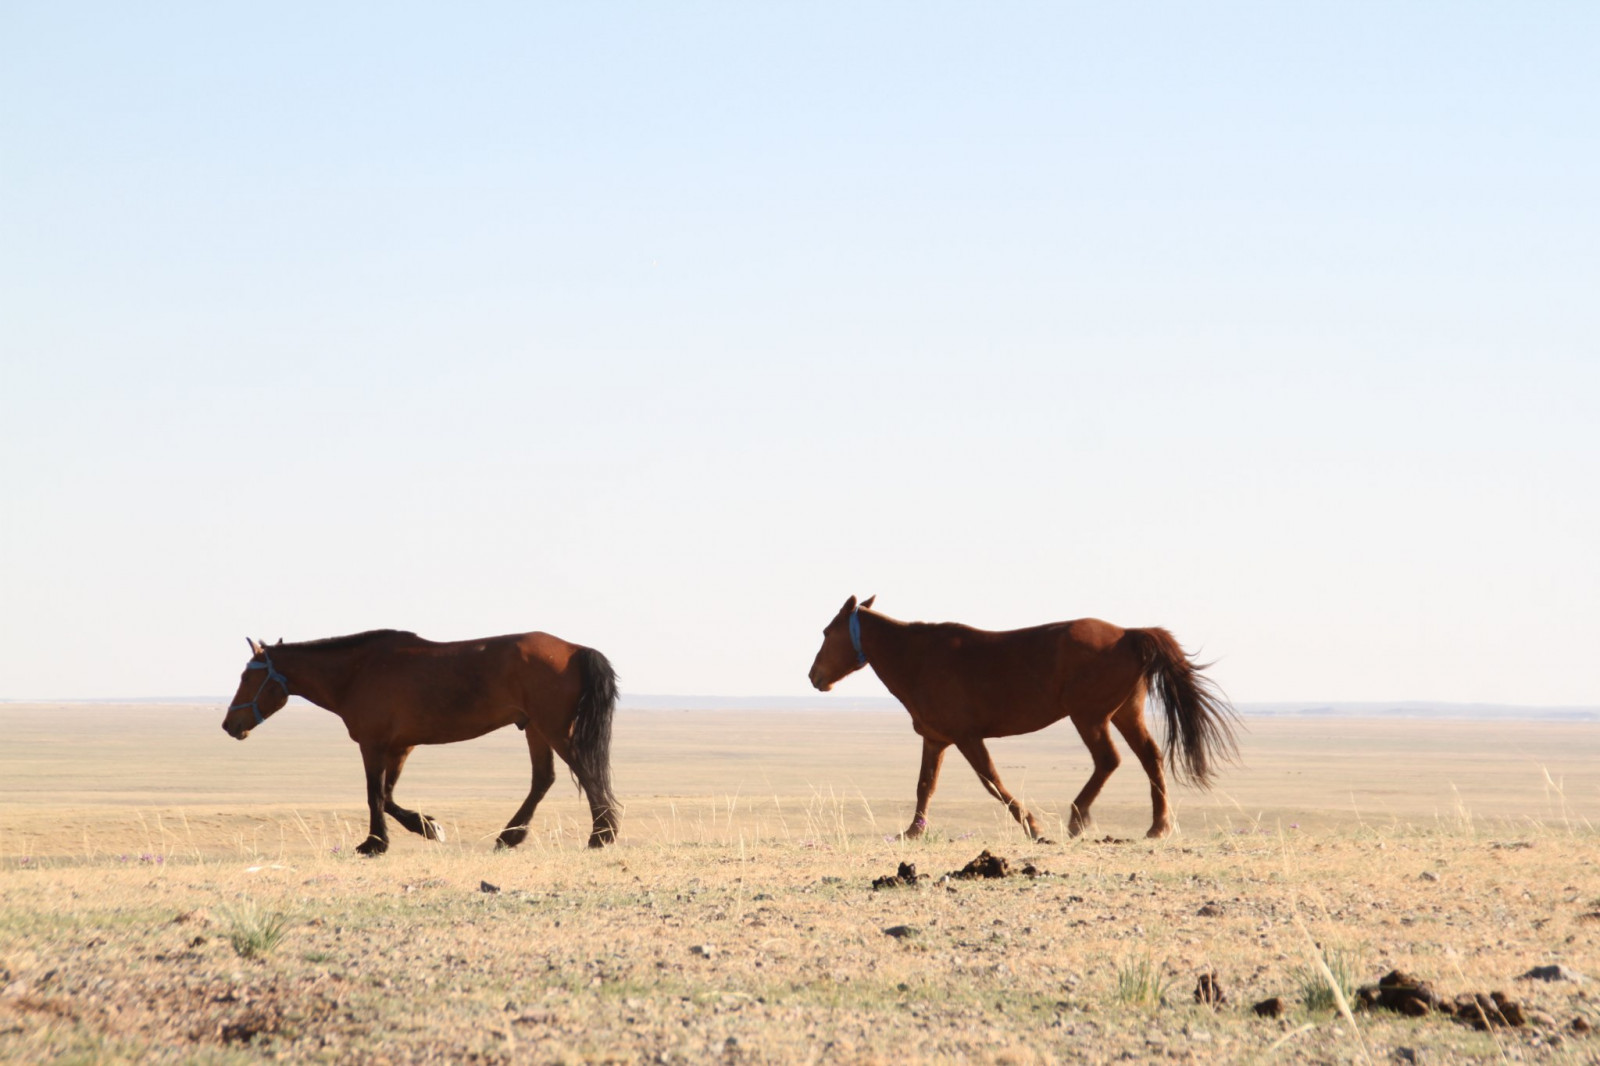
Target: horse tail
<point>1200,721</point>
<point>591,738</point>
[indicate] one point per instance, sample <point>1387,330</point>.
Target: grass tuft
<point>1313,981</point>
<point>253,932</point>
<point>1140,984</point>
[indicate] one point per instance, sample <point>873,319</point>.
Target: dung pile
<point>1405,994</point>
<point>985,865</point>
<point>905,877</point>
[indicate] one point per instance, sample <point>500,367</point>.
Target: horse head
<point>840,654</point>
<point>262,693</point>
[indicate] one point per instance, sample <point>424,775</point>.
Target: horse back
<point>420,691</point>
<point>1020,680</point>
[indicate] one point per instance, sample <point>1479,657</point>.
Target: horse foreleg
<point>977,753</point>
<point>1129,721</point>
<point>1106,759</point>
<point>932,758</point>
<point>420,824</point>
<point>544,775</point>
<point>377,842</point>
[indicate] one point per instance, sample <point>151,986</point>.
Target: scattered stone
<point>1400,992</point>
<point>1554,972</point>
<point>1408,1054</point>
<point>1270,1008</point>
<point>486,887</point>
<point>985,865</point>
<point>902,932</point>
<point>534,1017</point>
<point>1541,1019</point>
<point>1112,840</point>
<point>1580,1025</point>
<point>1213,909</point>
<point>198,916</point>
<point>1427,875</point>
<point>905,877</point>
<point>1208,991</point>
<point>1511,845</point>
<point>705,951</point>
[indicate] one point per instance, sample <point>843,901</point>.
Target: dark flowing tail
<point>591,741</point>
<point>1200,721</point>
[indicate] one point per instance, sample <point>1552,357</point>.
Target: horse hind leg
<point>977,753</point>
<point>1098,740</point>
<point>544,775</point>
<point>420,824</point>
<point>1129,721</point>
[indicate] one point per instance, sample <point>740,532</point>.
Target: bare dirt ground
<point>141,852</point>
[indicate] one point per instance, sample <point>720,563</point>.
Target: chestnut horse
<point>395,690</point>
<point>963,685</point>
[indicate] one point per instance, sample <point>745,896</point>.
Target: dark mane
<point>354,640</point>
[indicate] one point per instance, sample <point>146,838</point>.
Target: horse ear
<point>849,605</point>
<point>255,645</point>
<point>280,640</point>
<point>868,601</point>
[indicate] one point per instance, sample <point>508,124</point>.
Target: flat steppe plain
<point>736,921</point>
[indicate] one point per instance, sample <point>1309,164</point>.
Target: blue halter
<point>272,675</point>
<point>855,638</point>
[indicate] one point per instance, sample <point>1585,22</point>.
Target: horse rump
<point>591,739</point>
<point>1200,721</point>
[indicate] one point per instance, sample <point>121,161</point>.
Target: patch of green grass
<point>1315,991</point>
<point>253,932</point>
<point>1140,984</point>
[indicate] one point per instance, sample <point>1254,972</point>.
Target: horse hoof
<point>373,846</point>
<point>432,831</point>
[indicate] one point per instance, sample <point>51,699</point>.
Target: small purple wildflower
<point>24,860</point>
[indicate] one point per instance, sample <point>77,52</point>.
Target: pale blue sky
<point>666,328</point>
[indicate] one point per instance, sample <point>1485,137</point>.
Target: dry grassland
<point>141,852</point>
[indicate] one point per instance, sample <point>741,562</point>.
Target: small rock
<point>486,887</point>
<point>1580,1025</point>
<point>902,932</point>
<point>705,951</point>
<point>1213,909</point>
<point>534,1017</point>
<point>1427,875</point>
<point>1270,1008</point>
<point>1554,972</point>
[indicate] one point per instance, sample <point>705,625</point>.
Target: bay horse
<point>963,685</point>
<point>395,690</point>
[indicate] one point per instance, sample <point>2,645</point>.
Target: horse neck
<point>315,674</point>
<point>884,640</point>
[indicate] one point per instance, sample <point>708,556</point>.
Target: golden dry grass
<point>736,921</point>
